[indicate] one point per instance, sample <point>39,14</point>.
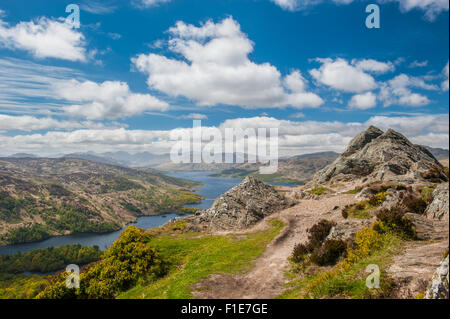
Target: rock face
<point>438,208</point>
<point>241,207</point>
<point>375,155</point>
<point>438,287</point>
<point>347,230</point>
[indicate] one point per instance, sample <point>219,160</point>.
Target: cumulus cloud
<point>295,137</point>
<point>110,99</point>
<point>44,38</point>
<point>398,91</point>
<point>363,101</point>
<point>431,8</point>
<point>444,84</point>
<point>374,66</point>
<point>216,69</point>
<point>340,75</point>
<point>31,123</point>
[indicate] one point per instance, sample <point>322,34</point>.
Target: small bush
<point>345,212</point>
<point>415,205</point>
<point>356,190</point>
<point>316,236</point>
<point>318,190</point>
<point>299,253</point>
<point>329,253</point>
<point>394,219</point>
<point>436,174</point>
<point>319,232</point>
<point>427,194</point>
<point>378,199</point>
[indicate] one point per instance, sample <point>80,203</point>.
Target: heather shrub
<point>378,199</point>
<point>394,219</point>
<point>299,253</point>
<point>415,205</point>
<point>436,174</point>
<point>319,232</point>
<point>329,252</point>
<point>427,194</point>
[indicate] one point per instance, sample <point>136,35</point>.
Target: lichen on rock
<point>241,207</point>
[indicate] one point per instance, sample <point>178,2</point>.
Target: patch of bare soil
<point>266,278</point>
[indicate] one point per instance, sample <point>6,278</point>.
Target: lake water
<point>212,188</point>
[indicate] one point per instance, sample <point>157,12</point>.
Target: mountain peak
<point>362,139</point>
<point>379,155</point>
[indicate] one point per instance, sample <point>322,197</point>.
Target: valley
<point>42,197</point>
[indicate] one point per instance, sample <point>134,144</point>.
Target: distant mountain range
<point>299,167</point>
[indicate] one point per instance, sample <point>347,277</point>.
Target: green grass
<point>195,258</point>
<point>363,209</point>
<point>320,190</point>
<point>351,283</point>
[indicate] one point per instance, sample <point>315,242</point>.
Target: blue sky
<point>135,70</point>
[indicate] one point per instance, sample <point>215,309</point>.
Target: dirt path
<point>266,278</point>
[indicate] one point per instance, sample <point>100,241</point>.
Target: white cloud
<point>397,91</point>
<point>295,137</point>
<point>96,7</point>
<point>340,75</point>
<point>374,66</point>
<point>298,115</point>
<point>363,101</point>
<point>431,8</point>
<point>219,71</point>
<point>194,116</point>
<point>290,5</point>
<point>444,84</point>
<point>44,38</point>
<point>110,99</point>
<point>30,123</point>
<point>151,3</point>
<point>28,88</point>
<point>295,5</point>
<point>418,64</point>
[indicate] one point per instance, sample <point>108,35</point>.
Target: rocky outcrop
<point>438,208</point>
<point>438,287</point>
<point>374,155</point>
<point>347,230</point>
<point>241,207</point>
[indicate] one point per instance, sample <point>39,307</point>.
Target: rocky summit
<point>383,156</point>
<point>241,207</point>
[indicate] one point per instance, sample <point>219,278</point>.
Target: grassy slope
<point>194,258</point>
<point>351,283</point>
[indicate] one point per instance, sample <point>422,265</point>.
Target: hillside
<point>47,197</point>
<point>292,170</point>
<point>311,241</point>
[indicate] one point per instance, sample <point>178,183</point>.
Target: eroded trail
<point>266,278</point>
